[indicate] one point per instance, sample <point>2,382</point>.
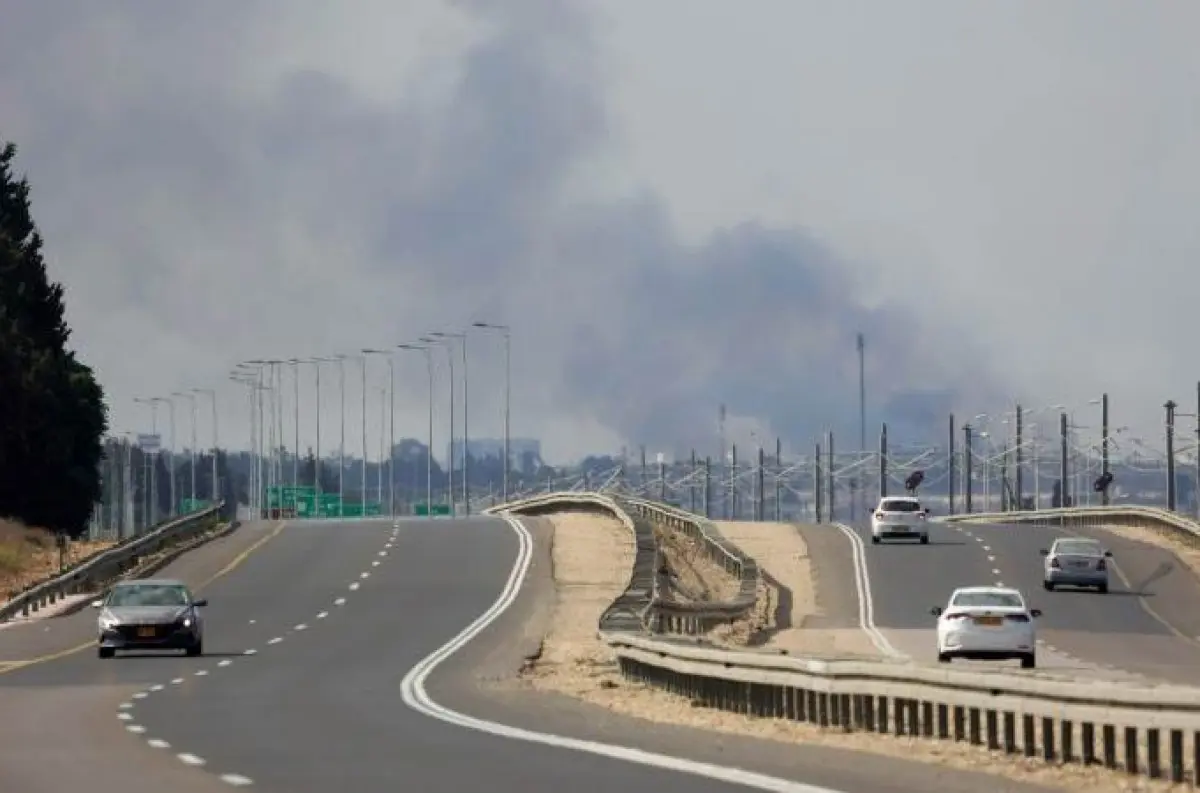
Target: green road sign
<point>424,510</point>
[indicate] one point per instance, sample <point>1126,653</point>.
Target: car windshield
<point>988,599</point>
<point>1078,548</point>
<point>149,595</point>
<point>899,505</point>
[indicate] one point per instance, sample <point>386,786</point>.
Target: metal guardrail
<point>646,591</point>
<point>91,574</point>
<point>1152,730</point>
<point>1185,527</point>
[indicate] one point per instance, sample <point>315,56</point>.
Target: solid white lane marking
<point>354,586</point>
<point>137,729</point>
<point>224,662</point>
<point>158,743</point>
<point>253,621</point>
<point>866,603</point>
<point>322,615</point>
<point>251,651</point>
<point>190,759</point>
<point>125,716</point>
<point>412,691</point>
<point>237,780</point>
<point>276,640</point>
<point>339,602</point>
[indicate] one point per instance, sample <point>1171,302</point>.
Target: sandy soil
<point>31,555</point>
<point>592,557</point>
<point>782,554</point>
<point>696,578</point>
<point>1186,548</point>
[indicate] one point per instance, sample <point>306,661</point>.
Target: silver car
<point>1077,562</point>
<point>150,614</point>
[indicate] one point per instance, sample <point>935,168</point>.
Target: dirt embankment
<point>30,555</point>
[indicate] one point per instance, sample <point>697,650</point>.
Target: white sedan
<point>900,517</point>
<point>987,623</point>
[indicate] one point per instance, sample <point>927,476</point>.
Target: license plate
<point>990,621</point>
<point>1081,564</point>
<point>900,528</point>
<point>146,633</point>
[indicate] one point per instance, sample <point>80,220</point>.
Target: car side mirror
<point>97,604</point>
<point>1044,552</point>
<point>1035,613</point>
<point>936,611</point>
<point>201,602</point>
<point>1108,554</point>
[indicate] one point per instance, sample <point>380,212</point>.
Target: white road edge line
<point>866,603</point>
<point>412,691</point>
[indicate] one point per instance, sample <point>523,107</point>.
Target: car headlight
<point>108,620</point>
<point>187,622</point>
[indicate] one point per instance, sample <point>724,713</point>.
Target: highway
<point>1146,627</point>
<point>340,657</point>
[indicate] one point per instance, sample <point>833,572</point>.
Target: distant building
<point>525,454</point>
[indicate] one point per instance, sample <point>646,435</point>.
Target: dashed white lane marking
<point>301,627</point>
<point>251,651</point>
<point>999,583</point>
<point>276,640</point>
<point>140,695</point>
<point>991,558</point>
<point>237,780</point>
<point>125,706</point>
<point>224,662</point>
<point>339,602</point>
<point>995,572</point>
<point>375,563</point>
<point>190,759</point>
<point>383,553</point>
<point>177,681</point>
<point>322,615</point>
<point>157,687</point>
<point>987,547</point>
<point>364,575</point>
<point>125,716</point>
<point>158,743</point>
<point>201,672</point>
<point>135,728</point>
<point>253,621</point>
<point>979,539</point>
<point>354,586</point>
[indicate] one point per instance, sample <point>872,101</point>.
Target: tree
<point>54,416</point>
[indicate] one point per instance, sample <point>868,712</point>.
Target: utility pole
<point>968,484</point>
<point>778,479</point>
<point>830,509</point>
<point>1019,474</point>
<point>817,499</point>
<point>733,474</point>
<point>883,462</point>
<point>1064,461</point>
<point>760,507</point>
<point>708,487</point>
<point>692,485</point>
<point>1104,468</point>
<point>951,469</point>
<point>1170,406</point>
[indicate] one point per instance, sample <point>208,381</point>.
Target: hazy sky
<point>673,204</point>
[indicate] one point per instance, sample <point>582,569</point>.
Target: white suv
<point>900,517</point>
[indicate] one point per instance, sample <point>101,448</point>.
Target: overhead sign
<point>149,443</point>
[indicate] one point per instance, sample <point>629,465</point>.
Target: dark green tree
<point>52,413</point>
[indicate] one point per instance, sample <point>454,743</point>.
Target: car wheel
<point>1048,586</point>
<point>105,652</point>
<point>1102,589</point>
<point>196,649</point>
<point>924,539</point>
<point>1028,661</point>
<point>875,539</point>
<point>943,658</point>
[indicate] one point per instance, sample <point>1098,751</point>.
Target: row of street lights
<point>263,378</point>
<point>153,403</point>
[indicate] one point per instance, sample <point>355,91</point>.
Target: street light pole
<point>341,359</point>
<point>150,462</point>
<point>507,333</point>
<point>450,448</point>
<point>295,362</point>
<point>429,448</point>
<point>212,396</point>
<point>466,439</point>
<point>192,451</point>
<point>363,499</point>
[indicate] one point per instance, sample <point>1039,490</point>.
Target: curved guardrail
<point>1182,526</point>
<point>644,593</point>
<point>1153,730</point>
<point>91,574</point>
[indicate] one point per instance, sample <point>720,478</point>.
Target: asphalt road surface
<point>319,677</point>
<point>1146,627</point>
